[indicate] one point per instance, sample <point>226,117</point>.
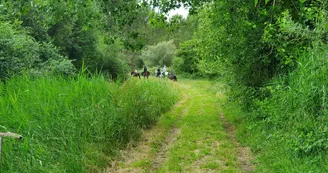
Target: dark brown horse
<point>145,74</point>
<point>173,77</point>
<point>135,74</point>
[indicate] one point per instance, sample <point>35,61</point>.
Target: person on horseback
<point>145,68</point>
<point>135,73</point>
<point>145,73</point>
<point>164,71</point>
<point>158,72</point>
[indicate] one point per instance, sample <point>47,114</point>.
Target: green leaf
<point>85,28</point>
<point>266,2</point>
<point>256,2</point>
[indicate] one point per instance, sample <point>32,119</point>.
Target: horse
<point>158,73</point>
<point>164,74</point>
<point>135,74</point>
<point>173,77</point>
<point>145,74</point>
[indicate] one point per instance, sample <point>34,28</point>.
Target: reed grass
<point>288,130</point>
<point>75,125</point>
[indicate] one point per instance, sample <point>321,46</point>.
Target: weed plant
<point>75,125</point>
<point>288,130</point>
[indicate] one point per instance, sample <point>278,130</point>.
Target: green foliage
<point>305,92</point>
<point>18,51</point>
<point>166,5</point>
<point>90,33</point>
<point>21,53</point>
<point>186,59</point>
<point>272,54</point>
<point>75,125</point>
<point>53,62</point>
<point>96,34</point>
<point>180,29</point>
<point>286,112</point>
<point>159,54</point>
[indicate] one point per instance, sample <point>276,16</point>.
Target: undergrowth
<point>288,129</point>
<point>75,125</point>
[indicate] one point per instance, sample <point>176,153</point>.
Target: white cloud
<point>181,11</point>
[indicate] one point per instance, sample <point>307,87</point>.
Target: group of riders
<point>158,73</point>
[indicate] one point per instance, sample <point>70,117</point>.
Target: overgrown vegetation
<point>160,54</point>
<point>75,125</point>
<point>103,36</point>
<point>272,55</point>
<point>21,53</point>
<point>72,122</point>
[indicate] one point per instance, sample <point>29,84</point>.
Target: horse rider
<point>145,72</point>
<point>135,73</point>
<point>145,69</point>
<point>158,72</point>
<point>164,70</point>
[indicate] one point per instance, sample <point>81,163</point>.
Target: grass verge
<point>75,125</point>
<point>268,144</point>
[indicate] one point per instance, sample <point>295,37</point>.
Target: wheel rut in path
<point>189,138</point>
<point>171,137</point>
<point>150,152</point>
<point>244,156</point>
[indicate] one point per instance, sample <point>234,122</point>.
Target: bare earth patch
<point>161,156</point>
<point>244,153</point>
<point>188,141</point>
<point>141,157</point>
<point>199,164</point>
<point>133,155</point>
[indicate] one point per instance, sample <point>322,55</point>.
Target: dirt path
<point>244,153</point>
<point>189,138</point>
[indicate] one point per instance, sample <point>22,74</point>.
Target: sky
<point>182,11</point>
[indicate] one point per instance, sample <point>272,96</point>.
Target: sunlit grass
<point>202,141</point>
<point>75,125</point>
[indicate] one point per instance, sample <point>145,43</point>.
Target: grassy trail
<point>193,137</point>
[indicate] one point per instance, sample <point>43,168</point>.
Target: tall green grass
<point>75,125</point>
<point>288,130</point>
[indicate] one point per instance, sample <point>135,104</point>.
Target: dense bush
<point>21,53</point>
<point>159,54</point>
<point>75,125</point>
<point>186,59</point>
<point>91,34</point>
<point>298,104</point>
<point>273,56</point>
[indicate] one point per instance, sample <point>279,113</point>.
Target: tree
<point>20,53</point>
<point>159,54</point>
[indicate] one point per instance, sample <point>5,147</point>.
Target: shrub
<point>21,53</point>
<point>160,54</point>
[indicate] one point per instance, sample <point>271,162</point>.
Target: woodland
<point>271,56</point>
